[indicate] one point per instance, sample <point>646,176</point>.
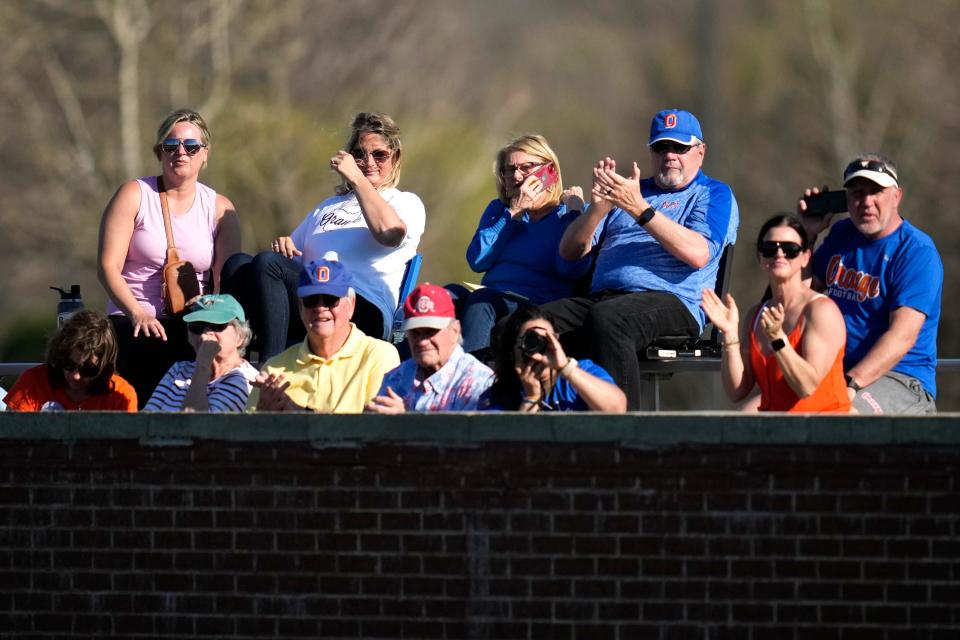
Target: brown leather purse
<point>180,285</point>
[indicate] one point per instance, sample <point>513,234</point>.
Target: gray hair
<point>245,333</point>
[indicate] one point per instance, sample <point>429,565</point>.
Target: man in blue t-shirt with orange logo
<point>658,243</point>
<point>886,276</point>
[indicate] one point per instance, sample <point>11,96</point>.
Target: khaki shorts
<point>894,393</point>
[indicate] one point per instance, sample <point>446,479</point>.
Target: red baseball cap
<point>428,306</point>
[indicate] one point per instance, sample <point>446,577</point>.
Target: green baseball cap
<point>215,309</point>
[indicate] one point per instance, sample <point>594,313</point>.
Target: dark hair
<point>384,126</point>
<point>784,220</point>
<point>89,333</point>
<point>506,390</point>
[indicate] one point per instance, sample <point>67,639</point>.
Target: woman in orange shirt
<point>78,373</point>
<point>792,344</point>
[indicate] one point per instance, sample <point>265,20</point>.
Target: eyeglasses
<point>525,168</point>
<point>200,328</point>
<point>669,146</point>
<point>86,370</point>
<point>327,300</point>
<point>768,249</point>
<point>379,155</point>
<point>869,165</point>
<point>191,145</point>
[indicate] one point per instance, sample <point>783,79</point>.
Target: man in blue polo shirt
<point>659,243</point>
<point>886,276</point>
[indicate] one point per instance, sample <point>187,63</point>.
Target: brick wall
<point>782,533</point>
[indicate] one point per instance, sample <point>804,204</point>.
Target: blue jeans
<point>265,285</point>
<point>479,312</point>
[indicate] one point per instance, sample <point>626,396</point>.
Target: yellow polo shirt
<point>341,384</point>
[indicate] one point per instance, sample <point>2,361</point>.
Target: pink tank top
<point>193,233</point>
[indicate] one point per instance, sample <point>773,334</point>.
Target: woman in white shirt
<point>372,225</point>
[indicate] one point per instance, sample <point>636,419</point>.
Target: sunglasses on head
<point>669,146</point>
<point>200,328</point>
<point>869,165</point>
<point>379,156</point>
<point>86,370</point>
<point>190,145</point>
<point>327,300</point>
<point>525,168</point>
<point>768,249</point>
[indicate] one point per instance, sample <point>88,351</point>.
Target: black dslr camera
<point>532,342</point>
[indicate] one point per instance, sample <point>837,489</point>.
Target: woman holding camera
<point>133,246</point>
<point>792,346</point>
<point>516,242</point>
<point>373,226</point>
<point>533,373</point>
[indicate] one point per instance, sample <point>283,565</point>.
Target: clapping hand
<point>388,404</point>
<point>724,314</point>
<point>771,321</point>
<point>273,393</point>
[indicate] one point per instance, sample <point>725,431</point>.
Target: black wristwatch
<point>777,344</point>
<point>646,216</point>
<point>851,383</point>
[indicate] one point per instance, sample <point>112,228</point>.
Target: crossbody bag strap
<point>172,255</point>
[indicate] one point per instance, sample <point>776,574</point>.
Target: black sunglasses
<point>86,370</point>
<point>669,146</point>
<point>200,328</point>
<point>869,165</point>
<point>379,156</point>
<point>191,145</point>
<point>327,300</point>
<point>768,249</point>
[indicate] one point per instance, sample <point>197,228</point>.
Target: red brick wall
<point>109,538</point>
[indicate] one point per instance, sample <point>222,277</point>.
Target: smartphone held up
<point>548,175</point>
<point>826,202</point>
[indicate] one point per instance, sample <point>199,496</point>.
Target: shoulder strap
<point>172,255</point>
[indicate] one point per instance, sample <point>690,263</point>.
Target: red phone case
<point>548,175</point>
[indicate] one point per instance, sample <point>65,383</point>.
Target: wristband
<point>646,216</point>
<point>851,383</point>
<point>731,343</point>
<point>777,344</point>
<point>530,401</point>
<point>568,367</point>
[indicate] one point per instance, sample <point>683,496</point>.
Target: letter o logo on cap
<point>323,273</point>
<point>670,121</point>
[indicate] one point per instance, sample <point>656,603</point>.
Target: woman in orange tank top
<point>792,345</point>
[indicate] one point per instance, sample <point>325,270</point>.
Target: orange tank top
<point>776,395</point>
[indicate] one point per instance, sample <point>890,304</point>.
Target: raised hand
<point>724,314</point>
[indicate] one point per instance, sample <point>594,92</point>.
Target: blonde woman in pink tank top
<point>132,249</point>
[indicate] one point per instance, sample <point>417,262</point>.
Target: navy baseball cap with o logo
<point>677,125</point>
<point>326,275</point>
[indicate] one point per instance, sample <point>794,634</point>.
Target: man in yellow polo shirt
<point>337,368</point>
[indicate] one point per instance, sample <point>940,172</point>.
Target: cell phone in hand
<point>548,175</point>
<point>820,204</point>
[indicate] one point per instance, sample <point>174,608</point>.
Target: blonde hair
<point>176,117</point>
<point>535,145</point>
<point>384,126</point>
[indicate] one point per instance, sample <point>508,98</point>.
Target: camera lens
<point>532,342</point>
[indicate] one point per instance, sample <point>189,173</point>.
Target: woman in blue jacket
<point>516,242</point>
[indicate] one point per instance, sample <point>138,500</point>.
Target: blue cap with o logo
<point>326,275</point>
<point>677,125</point>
